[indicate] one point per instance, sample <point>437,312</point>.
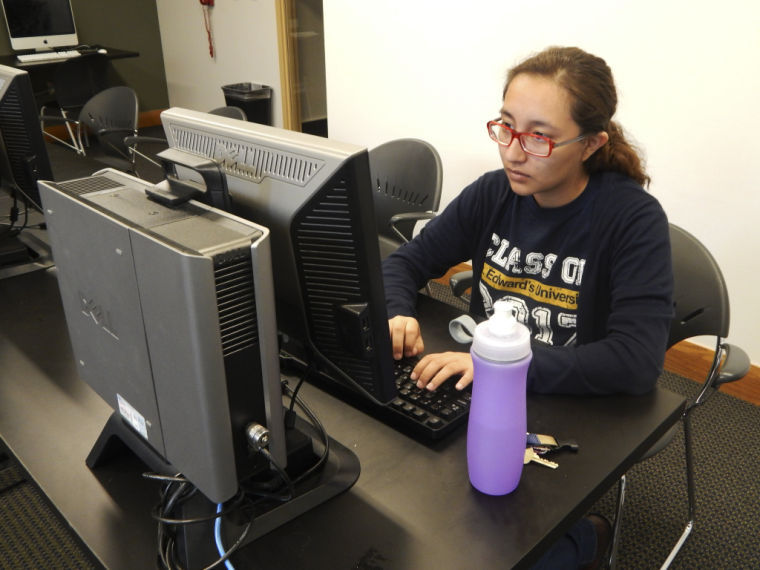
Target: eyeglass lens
<point>530,143</point>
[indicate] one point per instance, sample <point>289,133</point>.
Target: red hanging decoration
<point>207,4</point>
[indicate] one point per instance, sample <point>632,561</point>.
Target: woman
<point>566,231</point>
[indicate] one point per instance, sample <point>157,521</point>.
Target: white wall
<point>245,42</point>
<point>687,77</point>
<point>686,74</point>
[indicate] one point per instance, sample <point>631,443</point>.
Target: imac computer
<point>23,161</point>
<point>316,197</point>
<point>40,25</point>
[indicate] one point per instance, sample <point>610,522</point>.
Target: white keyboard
<point>47,55</point>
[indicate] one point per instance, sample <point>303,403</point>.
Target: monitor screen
<point>23,156</point>
<point>315,196</point>
<point>40,24</point>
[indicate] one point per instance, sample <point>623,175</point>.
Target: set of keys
<point>539,444</point>
<point>531,456</point>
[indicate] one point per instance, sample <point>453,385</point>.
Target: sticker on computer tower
<point>132,416</point>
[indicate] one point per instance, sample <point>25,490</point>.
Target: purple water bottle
<point>497,424</point>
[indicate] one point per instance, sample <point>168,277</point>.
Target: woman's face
<point>538,105</point>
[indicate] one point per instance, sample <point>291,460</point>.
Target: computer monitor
<point>315,196</point>
<point>23,155</point>
<point>171,320</point>
<point>23,161</point>
<point>39,24</point>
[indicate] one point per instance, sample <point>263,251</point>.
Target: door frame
<point>288,56</point>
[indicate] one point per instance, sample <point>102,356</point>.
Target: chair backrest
<point>406,177</point>
<point>76,80</point>
<point>700,294</point>
<point>112,115</point>
<point>230,111</point>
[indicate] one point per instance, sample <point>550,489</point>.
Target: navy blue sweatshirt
<point>592,279</point>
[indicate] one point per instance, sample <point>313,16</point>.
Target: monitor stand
<point>195,543</point>
<point>26,250</point>
<point>23,253</point>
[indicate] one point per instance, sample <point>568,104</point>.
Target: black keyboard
<point>429,414</point>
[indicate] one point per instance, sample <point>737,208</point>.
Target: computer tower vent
<point>236,301</point>
<point>246,161</point>
<point>12,126</point>
<point>325,243</point>
<point>88,185</point>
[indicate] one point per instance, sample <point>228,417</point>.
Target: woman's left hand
<point>434,369</point>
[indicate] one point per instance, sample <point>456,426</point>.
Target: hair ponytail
<point>618,155</point>
<point>588,80</point>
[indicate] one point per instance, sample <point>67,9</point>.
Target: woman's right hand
<point>406,337</point>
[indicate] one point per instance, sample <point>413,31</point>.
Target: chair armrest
<point>133,140</point>
<point>57,119</point>
<point>412,216</point>
<point>460,282</point>
<point>112,130</point>
<point>735,366</point>
<point>406,217</point>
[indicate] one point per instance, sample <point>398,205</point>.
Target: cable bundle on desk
<point>13,217</point>
<point>175,491</point>
<point>280,488</point>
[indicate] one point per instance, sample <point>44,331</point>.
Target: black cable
<point>176,490</point>
<point>320,429</point>
<point>283,474</point>
<point>294,395</point>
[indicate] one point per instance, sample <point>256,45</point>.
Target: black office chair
<point>111,116</point>
<point>75,82</point>
<point>407,177</point>
<point>701,309</point>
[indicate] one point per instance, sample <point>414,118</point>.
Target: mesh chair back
<point>700,293</point>
<point>407,177</point>
<point>112,115</point>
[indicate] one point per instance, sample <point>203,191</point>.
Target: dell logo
<point>99,316</point>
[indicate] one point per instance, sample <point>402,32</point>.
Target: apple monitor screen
<point>40,24</point>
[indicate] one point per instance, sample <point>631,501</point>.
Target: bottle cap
<point>502,338</point>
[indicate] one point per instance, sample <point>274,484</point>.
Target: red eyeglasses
<point>536,145</point>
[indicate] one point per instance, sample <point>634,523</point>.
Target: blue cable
<point>218,537</point>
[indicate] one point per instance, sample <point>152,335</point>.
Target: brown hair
<point>588,80</point>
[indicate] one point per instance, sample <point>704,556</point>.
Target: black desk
<point>412,507</point>
<point>42,73</point>
<point>31,66</point>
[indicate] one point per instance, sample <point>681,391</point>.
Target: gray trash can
<point>254,98</point>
